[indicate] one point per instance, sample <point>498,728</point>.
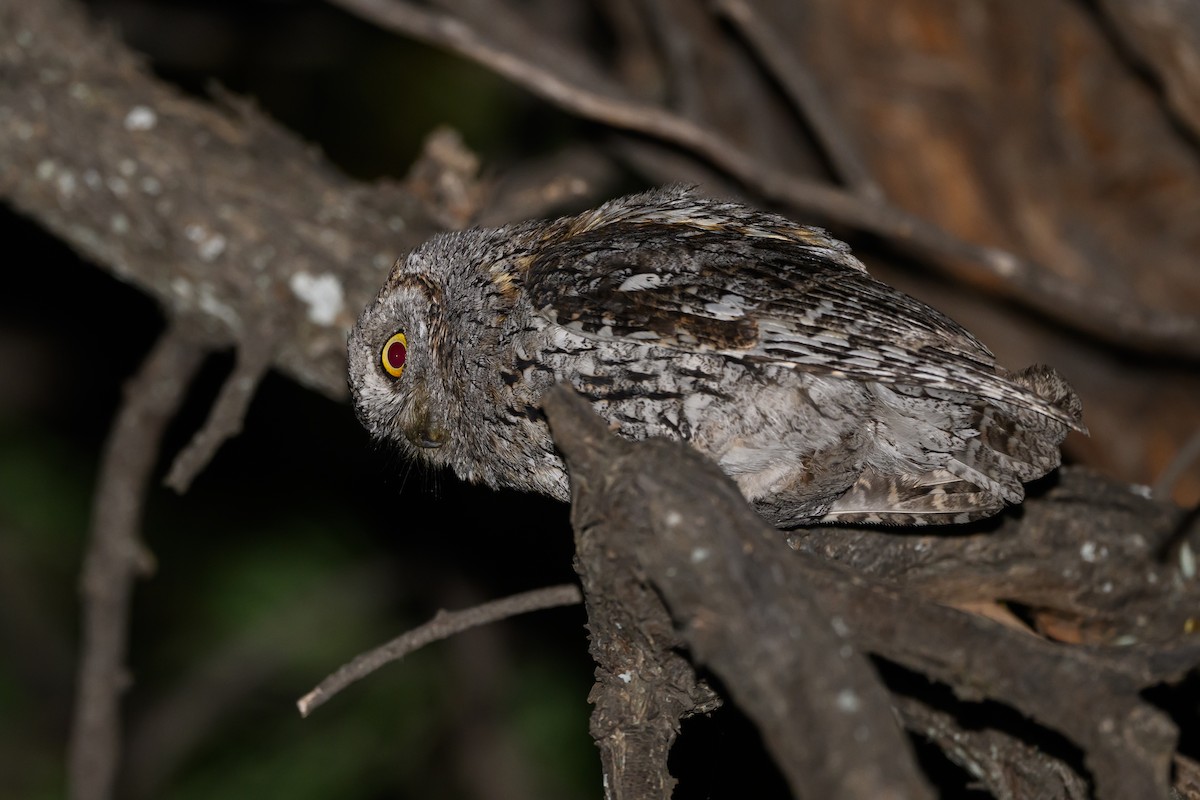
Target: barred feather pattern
<point>826,395</point>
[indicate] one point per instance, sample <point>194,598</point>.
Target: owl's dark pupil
<point>395,355</point>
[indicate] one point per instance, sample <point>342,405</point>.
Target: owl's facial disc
<point>416,424</point>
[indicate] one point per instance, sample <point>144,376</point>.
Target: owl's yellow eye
<point>394,353</point>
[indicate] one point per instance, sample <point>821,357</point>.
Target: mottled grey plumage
<point>824,393</point>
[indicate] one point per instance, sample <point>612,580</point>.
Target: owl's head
<point>415,355</point>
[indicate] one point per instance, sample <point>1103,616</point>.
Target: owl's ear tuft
<point>394,354</point>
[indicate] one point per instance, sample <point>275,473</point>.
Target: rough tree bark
<point>775,625</point>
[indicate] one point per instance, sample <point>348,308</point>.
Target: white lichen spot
<point>1187,561</point>
<point>127,167</point>
<point>1141,490</point>
<point>847,701</point>
<point>45,169</point>
<point>1004,263</point>
<point>322,293</point>
<point>24,37</point>
<point>140,118</point>
<point>23,130</point>
<point>92,179</point>
<point>626,677</point>
<point>1126,640</point>
<point>396,224</point>
<point>672,519</point>
<point>1087,551</point>
<point>80,91</point>
<point>839,626</point>
<point>151,185</point>
<point>700,554</point>
<point>210,304</point>
<point>182,288</point>
<point>66,183</point>
<point>1106,587</point>
<point>846,652</point>
<point>119,224</point>
<point>118,185</point>
<point>212,247</point>
<point>209,244</point>
<point>1107,725</point>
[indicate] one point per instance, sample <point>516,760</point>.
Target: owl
<point>825,394</point>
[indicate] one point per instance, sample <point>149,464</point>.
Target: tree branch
<point>721,572</point>
<point>738,596</point>
<point>214,210</point>
<point>1166,36</point>
<point>805,95</point>
<point>228,411</point>
<point>443,625</point>
<point>114,558</point>
<point>1009,768</point>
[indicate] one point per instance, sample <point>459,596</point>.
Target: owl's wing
<point>793,302</point>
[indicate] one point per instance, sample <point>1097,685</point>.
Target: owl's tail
<point>1016,444</point>
<point>1005,446</point>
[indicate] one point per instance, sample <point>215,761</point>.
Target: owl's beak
<point>427,438</point>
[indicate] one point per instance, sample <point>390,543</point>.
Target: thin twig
<point>802,89</point>
<point>225,419</point>
<point>1185,456</point>
<point>114,556</point>
<point>1106,317</point>
<point>443,625</point>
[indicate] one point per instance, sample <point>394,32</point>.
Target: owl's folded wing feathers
<point>764,299</point>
